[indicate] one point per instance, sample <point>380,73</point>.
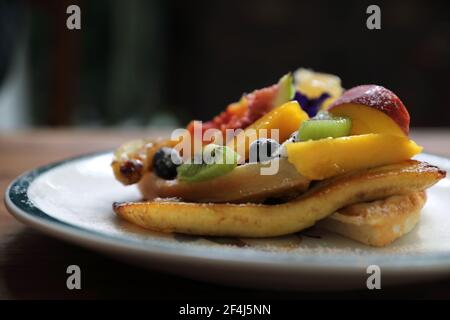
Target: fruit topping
<point>311,106</point>
<point>286,90</point>
<point>220,160</point>
<point>286,119</point>
<point>316,129</point>
<point>263,150</point>
<point>252,106</point>
<point>320,159</point>
<point>373,109</point>
<point>165,163</point>
<point>134,158</point>
<point>243,184</point>
<point>313,85</point>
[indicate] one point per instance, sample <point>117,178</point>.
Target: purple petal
<point>311,106</point>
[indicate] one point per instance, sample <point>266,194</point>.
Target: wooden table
<point>33,266</point>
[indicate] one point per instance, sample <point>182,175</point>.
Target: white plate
<point>72,200</point>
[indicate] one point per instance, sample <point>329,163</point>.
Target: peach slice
<point>320,159</point>
<point>373,109</point>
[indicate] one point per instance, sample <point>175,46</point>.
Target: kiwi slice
<point>286,90</point>
<point>224,161</point>
<point>324,128</point>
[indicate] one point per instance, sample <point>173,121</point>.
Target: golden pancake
<point>257,220</point>
<point>377,223</point>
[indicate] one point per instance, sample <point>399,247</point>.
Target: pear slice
<point>244,184</point>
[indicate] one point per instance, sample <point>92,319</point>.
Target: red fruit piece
<point>241,114</point>
<point>375,97</point>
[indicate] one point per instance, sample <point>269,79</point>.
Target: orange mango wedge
<point>285,118</point>
<point>321,159</point>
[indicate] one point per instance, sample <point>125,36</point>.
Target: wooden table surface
<point>33,265</point>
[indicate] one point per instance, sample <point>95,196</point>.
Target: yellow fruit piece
<point>367,120</point>
<point>313,84</point>
<point>286,118</point>
<point>320,159</point>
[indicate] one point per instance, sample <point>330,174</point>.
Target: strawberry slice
<point>240,115</point>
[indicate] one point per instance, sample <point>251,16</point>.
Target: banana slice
<point>244,184</point>
<point>257,220</point>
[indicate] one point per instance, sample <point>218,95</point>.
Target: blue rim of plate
<point>21,207</point>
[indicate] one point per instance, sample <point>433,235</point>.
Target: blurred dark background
<point>143,63</point>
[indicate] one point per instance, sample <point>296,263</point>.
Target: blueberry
<point>263,150</point>
<point>165,163</point>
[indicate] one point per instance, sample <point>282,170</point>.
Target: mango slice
<point>320,159</point>
<point>286,118</point>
